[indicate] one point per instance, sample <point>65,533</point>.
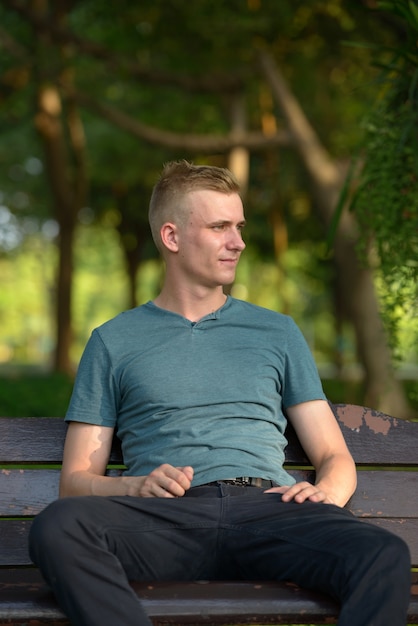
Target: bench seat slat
<point>385,493</point>
<point>32,439</point>
<point>23,595</point>
<point>375,438</point>
<point>14,542</point>
<point>39,440</point>
<point>27,492</point>
<point>195,602</point>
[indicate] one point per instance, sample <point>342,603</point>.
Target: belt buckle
<point>253,482</point>
<point>244,480</point>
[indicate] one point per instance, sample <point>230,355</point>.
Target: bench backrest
<point>385,450</point>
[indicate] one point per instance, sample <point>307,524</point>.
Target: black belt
<point>243,481</point>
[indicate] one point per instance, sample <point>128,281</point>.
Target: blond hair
<point>177,179</point>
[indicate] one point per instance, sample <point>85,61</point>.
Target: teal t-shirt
<point>210,394</point>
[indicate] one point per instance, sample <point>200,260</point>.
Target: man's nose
<point>236,241</point>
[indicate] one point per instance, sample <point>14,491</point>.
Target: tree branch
<point>188,142</point>
<point>319,164</point>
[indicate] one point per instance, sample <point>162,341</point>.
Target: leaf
<point>414,11</point>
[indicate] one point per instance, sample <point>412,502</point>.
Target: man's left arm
<point>321,438</point>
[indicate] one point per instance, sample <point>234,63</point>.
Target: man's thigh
<point>306,543</point>
<point>162,539</point>
<point>230,533</point>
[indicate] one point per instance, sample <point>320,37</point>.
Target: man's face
<point>210,242</point>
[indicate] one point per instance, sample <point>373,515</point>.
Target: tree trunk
<point>239,156</point>
<point>66,176</point>
<point>355,281</point>
<point>49,125</point>
<point>133,230</point>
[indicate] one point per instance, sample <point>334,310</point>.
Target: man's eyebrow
<point>226,223</point>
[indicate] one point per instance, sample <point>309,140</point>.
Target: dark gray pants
<point>89,547</point>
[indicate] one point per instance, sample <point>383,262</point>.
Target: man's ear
<point>169,236</point>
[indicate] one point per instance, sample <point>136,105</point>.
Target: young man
<point>197,385</point>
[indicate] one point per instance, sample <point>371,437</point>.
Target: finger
<point>306,494</point>
<point>291,492</point>
<point>166,481</point>
<point>310,493</point>
<point>188,471</point>
<point>301,492</point>
<point>175,488</point>
<point>152,488</point>
<point>320,496</point>
<point>176,480</point>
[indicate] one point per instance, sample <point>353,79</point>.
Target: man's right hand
<point>164,481</point>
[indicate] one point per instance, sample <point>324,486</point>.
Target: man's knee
<point>51,526</point>
<point>395,554</point>
<point>385,553</point>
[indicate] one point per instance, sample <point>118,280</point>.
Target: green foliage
<point>406,9</point>
<point>386,201</point>
<point>386,204</point>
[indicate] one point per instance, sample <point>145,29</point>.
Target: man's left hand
<point>300,492</point>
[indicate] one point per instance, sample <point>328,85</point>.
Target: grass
<point>34,395</point>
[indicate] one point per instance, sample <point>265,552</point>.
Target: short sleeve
<point>301,379</point>
<point>96,397</point>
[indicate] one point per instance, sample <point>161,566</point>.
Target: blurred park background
<point>312,103</point>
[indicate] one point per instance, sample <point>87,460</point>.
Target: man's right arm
<point>86,455</point>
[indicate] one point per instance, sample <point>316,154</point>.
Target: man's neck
<point>191,306</point>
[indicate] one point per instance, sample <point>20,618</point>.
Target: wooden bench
<point>384,448</point>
